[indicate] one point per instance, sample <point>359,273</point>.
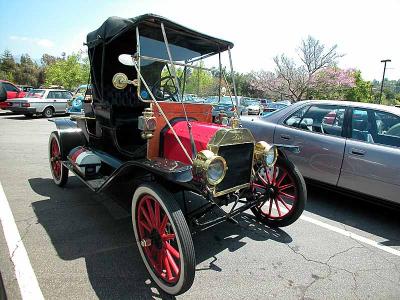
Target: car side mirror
<point>3,92</point>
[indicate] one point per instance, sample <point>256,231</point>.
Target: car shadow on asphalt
<point>374,218</point>
<point>80,226</point>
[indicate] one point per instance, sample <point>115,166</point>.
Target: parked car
<point>254,106</point>
<point>144,145</point>
<point>46,102</point>
<point>273,106</point>
<point>226,104</point>
<point>12,92</point>
<point>349,145</point>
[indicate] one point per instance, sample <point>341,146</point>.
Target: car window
<point>66,95</point>
<point>375,127</point>
<point>10,87</point>
<point>326,119</point>
<point>35,94</point>
<point>294,119</point>
<point>51,95</point>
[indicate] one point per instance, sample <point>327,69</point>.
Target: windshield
<point>198,73</point>
<point>35,94</point>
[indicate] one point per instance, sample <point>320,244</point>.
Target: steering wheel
<point>165,89</point>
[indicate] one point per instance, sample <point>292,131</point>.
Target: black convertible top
<point>114,27</point>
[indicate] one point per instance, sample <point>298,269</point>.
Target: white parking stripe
<point>347,233</point>
<point>351,235</point>
<point>26,278</point>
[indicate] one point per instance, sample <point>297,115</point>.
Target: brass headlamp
<point>147,123</point>
<point>266,153</point>
<point>209,167</point>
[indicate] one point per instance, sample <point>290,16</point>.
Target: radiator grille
<point>239,159</point>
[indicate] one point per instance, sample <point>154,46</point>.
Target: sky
<point>366,32</point>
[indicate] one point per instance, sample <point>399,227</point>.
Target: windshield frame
<point>187,64</point>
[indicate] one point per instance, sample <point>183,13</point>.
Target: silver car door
<point>50,100</point>
<point>317,130</point>
<point>61,102</point>
<point>371,162</point>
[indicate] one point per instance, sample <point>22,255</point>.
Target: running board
<point>94,184</point>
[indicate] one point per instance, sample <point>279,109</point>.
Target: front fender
<point>70,135</point>
<point>172,171</point>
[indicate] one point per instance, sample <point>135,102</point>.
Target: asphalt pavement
<point>81,246</point>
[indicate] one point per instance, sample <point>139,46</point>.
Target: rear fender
<point>70,135</point>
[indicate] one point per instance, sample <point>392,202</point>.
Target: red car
<point>12,92</point>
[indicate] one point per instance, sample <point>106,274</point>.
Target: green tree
<point>361,92</point>
<point>8,66</point>
<point>69,73</point>
<point>27,71</point>
<point>201,82</point>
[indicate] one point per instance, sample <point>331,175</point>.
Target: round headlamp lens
<point>216,171</point>
<point>270,157</point>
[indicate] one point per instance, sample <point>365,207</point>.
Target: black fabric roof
<point>113,27</point>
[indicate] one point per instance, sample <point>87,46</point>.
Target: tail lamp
<point>26,104</point>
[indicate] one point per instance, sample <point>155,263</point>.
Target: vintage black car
<point>175,164</point>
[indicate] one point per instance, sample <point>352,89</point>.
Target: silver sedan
<point>349,145</point>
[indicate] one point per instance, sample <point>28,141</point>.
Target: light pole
<point>383,77</point>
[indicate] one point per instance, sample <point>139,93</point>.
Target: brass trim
<point>238,187</point>
<point>227,137</point>
<point>261,150</point>
<point>120,81</point>
<point>202,162</point>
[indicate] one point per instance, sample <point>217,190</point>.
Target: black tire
<point>182,237</point>
<point>58,171</point>
<point>299,191</point>
<point>48,112</point>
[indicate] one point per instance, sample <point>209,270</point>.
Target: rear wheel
<point>58,170</point>
<point>163,238</point>
<point>284,194</point>
<point>48,112</point>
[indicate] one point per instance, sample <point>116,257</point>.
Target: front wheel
<point>163,238</point>
<point>283,193</point>
<point>58,170</point>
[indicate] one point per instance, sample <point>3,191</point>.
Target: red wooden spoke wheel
<point>163,238</point>
<point>283,193</point>
<point>58,171</point>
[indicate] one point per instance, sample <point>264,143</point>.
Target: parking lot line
<point>24,273</point>
<point>351,235</point>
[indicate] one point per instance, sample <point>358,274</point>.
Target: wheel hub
<point>271,191</point>
<point>156,239</point>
